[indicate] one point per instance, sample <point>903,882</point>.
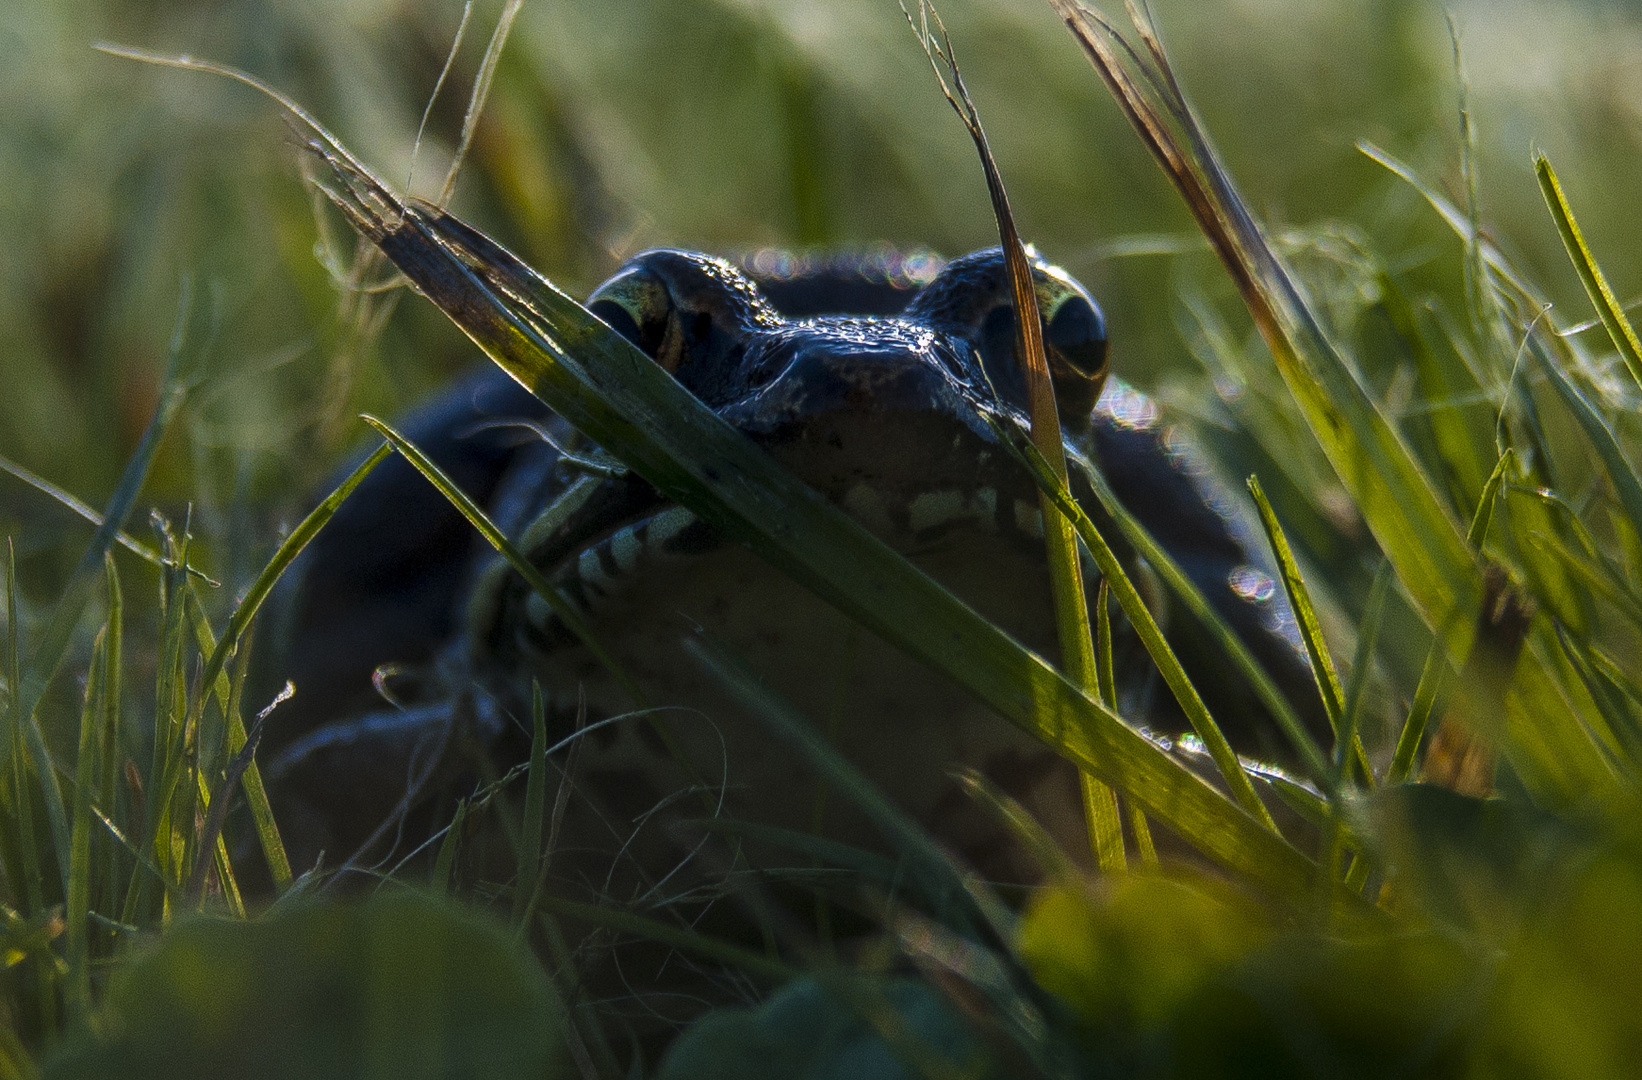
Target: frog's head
<point>890,417</point>
<point>708,324</point>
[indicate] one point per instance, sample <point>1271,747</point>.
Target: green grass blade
<point>1609,695</point>
<point>1362,661</point>
<point>1597,574</point>
<point>1436,661</point>
<point>566,612</point>
<point>1032,835</point>
<point>77,943</point>
<point>1627,486</point>
<point>1311,630</point>
<point>731,955</point>
<point>1150,634</point>
<point>445,863</point>
<point>22,790</point>
<point>110,747</point>
<point>1457,431</point>
<point>239,622</point>
<point>125,540</point>
<point>1065,568</point>
<point>1311,757</point>
<point>1590,274</point>
<point>530,838</point>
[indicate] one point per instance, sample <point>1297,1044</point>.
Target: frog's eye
<point>1078,333</point>
<point>1074,334</point>
<point>638,305</point>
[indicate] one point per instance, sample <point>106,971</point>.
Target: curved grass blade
<point>1032,835</point>
<point>1186,590</point>
<point>239,622</point>
<point>755,963</point>
<point>530,837</point>
<point>1362,660</point>
<point>25,864</point>
<point>109,728</point>
<point>77,945</point>
<point>1590,274</point>
<point>125,540</point>
<point>571,618</point>
<point>1065,568</point>
<point>1627,486</point>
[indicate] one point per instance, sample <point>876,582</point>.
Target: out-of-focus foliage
<point>399,987</point>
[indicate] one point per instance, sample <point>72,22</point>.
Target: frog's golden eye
<point>1075,339</point>
<point>1078,333</point>
<point>638,305</point>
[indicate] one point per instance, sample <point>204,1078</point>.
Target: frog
<point>417,654</point>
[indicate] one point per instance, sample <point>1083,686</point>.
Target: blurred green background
<point>716,124</point>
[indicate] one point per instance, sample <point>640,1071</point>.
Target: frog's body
<point>885,415</point>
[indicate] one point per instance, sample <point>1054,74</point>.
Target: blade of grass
<point>125,540</point>
<point>1151,634</point>
<point>1032,836</point>
<point>1436,660</point>
<point>562,608</point>
<point>1590,274</point>
<point>445,863</point>
<point>110,750</point>
<point>746,960</point>
<point>1311,634</point>
<point>1621,719</point>
<point>22,791</point>
<point>1101,813</point>
<point>1362,661</point>
<point>239,622</point>
<point>530,839</point>
<point>1627,486</point>
<point>77,944</point>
